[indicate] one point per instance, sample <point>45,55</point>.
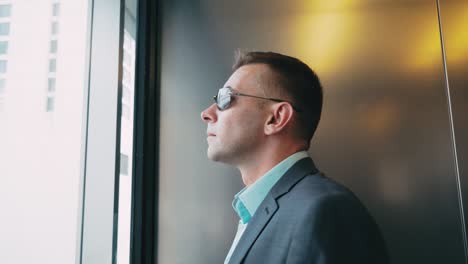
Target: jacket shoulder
<point>317,187</point>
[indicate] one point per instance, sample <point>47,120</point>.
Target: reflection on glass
<point>126,140</point>
<point>41,124</point>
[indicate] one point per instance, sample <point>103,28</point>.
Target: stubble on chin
<point>211,154</point>
<point>214,155</point>
<point>226,155</point>
<point>217,153</point>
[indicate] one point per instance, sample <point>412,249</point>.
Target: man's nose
<point>209,114</point>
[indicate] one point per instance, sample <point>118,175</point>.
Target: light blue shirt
<point>247,201</point>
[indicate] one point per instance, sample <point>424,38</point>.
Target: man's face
<point>236,133</point>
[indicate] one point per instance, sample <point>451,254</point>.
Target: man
<point>262,122</point>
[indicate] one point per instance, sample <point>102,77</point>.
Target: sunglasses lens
<point>223,100</point>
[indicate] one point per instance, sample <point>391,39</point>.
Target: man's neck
<point>254,169</point>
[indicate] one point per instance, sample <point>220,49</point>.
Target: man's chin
<point>214,156</point>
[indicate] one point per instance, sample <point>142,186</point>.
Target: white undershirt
<point>240,230</point>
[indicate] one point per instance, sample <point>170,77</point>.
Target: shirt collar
<point>249,198</point>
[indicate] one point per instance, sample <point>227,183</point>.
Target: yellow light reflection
<point>457,35</point>
<point>428,51</point>
<point>331,4</point>
<point>322,36</point>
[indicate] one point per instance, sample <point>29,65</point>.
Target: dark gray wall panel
<point>454,18</point>
<point>384,132</point>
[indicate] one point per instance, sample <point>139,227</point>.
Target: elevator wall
<point>454,18</point>
<point>385,130</point>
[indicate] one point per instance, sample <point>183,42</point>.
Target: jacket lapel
<point>256,224</point>
<point>269,206</point>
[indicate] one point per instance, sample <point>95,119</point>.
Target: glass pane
<point>123,164</point>
<point>51,85</point>
<point>5,10</point>
<point>41,131</point>
<point>4,29</point>
<point>55,27</point>
<point>3,47</point>
<point>53,46</point>
<point>50,104</point>
<point>2,86</point>
<point>126,143</point>
<point>3,66</point>
<point>55,9</point>
<point>52,65</point>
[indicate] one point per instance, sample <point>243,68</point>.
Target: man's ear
<point>280,116</point>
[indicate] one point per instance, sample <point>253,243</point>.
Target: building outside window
<point>52,65</point>
<point>3,47</point>
<point>53,46</point>
<point>54,27</point>
<point>3,66</point>
<point>5,10</point>
<point>40,153</point>
<point>50,104</point>
<point>55,9</point>
<point>2,86</point>
<point>4,29</point>
<point>123,164</point>
<point>51,85</point>
<point>45,89</point>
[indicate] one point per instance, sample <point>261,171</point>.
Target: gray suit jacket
<point>308,218</point>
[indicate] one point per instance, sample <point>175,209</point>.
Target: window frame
<point>101,134</point>
<point>145,187</point>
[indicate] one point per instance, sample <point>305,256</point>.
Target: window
<point>3,66</point>
<point>126,111</point>
<point>54,28</point>
<point>2,86</point>
<point>5,10</point>
<point>127,76</point>
<point>3,47</point>
<point>126,140</point>
<point>51,85</point>
<point>126,94</point>
<point>50,104</point>
<point>52,65</point>
<point>4,29</point>
<point>123,164</point>
<point>129,42</point>
<point>127,59</point>
<point>55,9</point>
<point>55,142</point>
<point>53,46</point>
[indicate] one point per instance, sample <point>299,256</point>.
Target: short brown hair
<point>295,79</point>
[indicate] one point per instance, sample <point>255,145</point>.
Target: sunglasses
<point>224,98</point>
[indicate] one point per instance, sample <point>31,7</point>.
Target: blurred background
<point>102,149</point>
